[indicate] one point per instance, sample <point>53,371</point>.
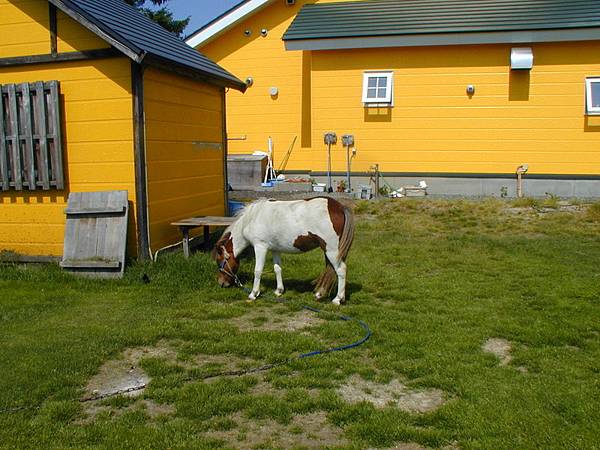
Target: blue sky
<point>201,11</point>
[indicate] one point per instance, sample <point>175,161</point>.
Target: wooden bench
<point>186,225</point>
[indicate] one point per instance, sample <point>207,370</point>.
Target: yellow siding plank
<point>73,37</point>
<point>98,145</point>
<point>184,180</point>
<point>534,117</point>
<point>24,28</point>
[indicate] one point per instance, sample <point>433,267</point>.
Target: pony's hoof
<point>253,296</point>
<point>278,293</point>
<point>318,295</point>
<point>337,301</point>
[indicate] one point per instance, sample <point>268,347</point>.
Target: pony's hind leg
<point>340,270</point>
<point>277,269</point>
<point>341,291</point>
<point>260,254</point>
<point>328,277</point>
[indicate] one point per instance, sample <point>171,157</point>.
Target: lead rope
<point>232,373</point>
<point>363,325</point>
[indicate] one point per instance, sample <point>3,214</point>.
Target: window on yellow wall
<point>592,95</point>
<point>378,88</point>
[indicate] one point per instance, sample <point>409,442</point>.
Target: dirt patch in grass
<point>304,431</point>
<point>122,374</point>
<point>404,446</point>
<point>500,348</point>
<point>265,320</point>
<point>394,393</point>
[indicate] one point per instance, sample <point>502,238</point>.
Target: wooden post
<point>225,149</point>
<point>206,238</point>
<point>53,29</point>
<point>186,241</point>
<point>139,144</point>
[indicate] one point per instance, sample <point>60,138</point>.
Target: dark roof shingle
<point>145,39</point>
<point>410,17</point>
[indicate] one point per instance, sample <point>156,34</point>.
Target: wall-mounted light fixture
<point>249,81</point>
<point>470,89</point>
<point>521,58</point>
<point>264,32</point>
<point>247,33</point>
<point>273,91</point>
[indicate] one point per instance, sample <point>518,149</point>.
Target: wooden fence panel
<point>41,117</point>
<point>30,136</point>
<point>13,137</point>
<point>4,173</point>
<point>53,103</point>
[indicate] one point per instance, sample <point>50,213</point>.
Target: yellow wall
<point>270,65</point>
<point>24,28</point>
<point>97,144</point>
<point>184,179</point>
<point>513,118</point>
<point>73,37</point>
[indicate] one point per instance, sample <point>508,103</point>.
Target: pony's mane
<point>247,214</point>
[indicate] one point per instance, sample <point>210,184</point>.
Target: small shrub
<point>593,212</point>
<point>551,201</point>
<point>524,202</point>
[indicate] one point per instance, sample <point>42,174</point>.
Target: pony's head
<point>226,261</point>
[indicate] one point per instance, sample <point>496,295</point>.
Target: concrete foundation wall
<point>484,186</point>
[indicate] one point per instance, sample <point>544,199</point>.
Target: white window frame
<point>589,109</point>
<point>388,99</point>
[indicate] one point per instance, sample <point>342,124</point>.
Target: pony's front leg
<point>277,269</point>
<point>260,254</point>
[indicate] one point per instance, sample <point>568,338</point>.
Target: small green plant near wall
<point>503,192</point>
<point>593,212</point>
<point>384,191</point>
<point>551,201</point>
<point>525,202</point>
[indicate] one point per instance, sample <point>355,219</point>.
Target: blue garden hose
<point>361,341</point>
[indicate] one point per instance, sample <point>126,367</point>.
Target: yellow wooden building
<point>136,109</point>
<point>458,93</point>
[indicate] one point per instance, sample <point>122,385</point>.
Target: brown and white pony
<point>289,227</point>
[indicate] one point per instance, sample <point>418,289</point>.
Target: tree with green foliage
<point>161,16</point>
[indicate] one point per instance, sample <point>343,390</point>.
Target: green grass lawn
<point>433,279</point>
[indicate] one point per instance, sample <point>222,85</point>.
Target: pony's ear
<point>218,246</point>
<point>223,239</point>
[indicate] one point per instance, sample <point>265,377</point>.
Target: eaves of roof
<point>225,21</point>
<point>377,18</point>
<point>144,41</point>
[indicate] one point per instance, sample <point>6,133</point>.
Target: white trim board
<point>499,37</point>
<point>211,31</point>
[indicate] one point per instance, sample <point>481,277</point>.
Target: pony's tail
<point>347,235</point>
<point>328,277</point>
